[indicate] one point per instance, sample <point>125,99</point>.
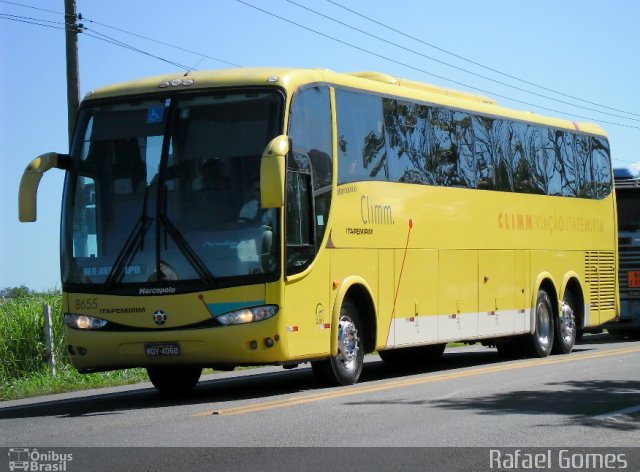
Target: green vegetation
<point>24,371</point>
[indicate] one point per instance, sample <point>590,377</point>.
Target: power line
<point>93,34</point>
<point>27,18</point>
<point>395,30</point>
<point>100,36</point>
<point>32,7</point>
<point>31,21</point>
<point>162,43</point>
<point>114,41</point>
<point>459,68</point>
<point>404,64</point>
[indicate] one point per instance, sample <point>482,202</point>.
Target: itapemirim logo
<point>23,458</point>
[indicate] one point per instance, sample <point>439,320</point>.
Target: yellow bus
<point>283,216</point>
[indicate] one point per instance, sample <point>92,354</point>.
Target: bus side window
<point>601,168</point>
<point>310,132</point>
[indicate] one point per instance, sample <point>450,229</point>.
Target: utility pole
<point>73,76</point>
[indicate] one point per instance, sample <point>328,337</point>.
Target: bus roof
<point>292,78</point>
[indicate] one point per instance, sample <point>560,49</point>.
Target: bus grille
<point>600,274</point>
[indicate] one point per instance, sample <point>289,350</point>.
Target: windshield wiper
<point>133,242</point>
<point>188,252</point>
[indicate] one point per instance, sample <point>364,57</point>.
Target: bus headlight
<point>248,315</point>
<point>83,322</point>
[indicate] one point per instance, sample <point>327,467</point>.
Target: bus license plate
<point>634,278</point>
<point>162,349</point>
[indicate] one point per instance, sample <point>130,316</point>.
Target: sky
<point>520,53</point>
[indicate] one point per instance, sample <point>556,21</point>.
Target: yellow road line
<point>363,389</point>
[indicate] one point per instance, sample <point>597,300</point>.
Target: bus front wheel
<point>174,380</point>
<point>345,367</point>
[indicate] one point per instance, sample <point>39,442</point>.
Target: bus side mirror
<point>28,192</point>
<point>272,174</point>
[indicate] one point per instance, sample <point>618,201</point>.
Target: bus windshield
<point>167,190</point>
<point>628,201</point>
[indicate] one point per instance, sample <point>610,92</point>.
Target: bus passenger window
<point>361,138</point>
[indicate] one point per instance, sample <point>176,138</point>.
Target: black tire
<point>566,331</point>
<point>540,342</point>
<point>345,367</point>
<point>175,380</point>
<point>413,355</point>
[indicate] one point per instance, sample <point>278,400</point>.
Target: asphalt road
<point>472,398</point>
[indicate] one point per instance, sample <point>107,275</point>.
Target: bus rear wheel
<point>540,342</point>
<point>174,380</point>
<point>566,329</point>
<point>345,367</point>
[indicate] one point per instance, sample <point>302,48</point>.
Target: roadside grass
<point>67,379</point>
<point>24,371</point>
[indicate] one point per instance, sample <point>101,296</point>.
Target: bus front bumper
<point>250,344</point>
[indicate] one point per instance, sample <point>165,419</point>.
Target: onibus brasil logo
<point>22,458</point>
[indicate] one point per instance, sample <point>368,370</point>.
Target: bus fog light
<point>269,342</point>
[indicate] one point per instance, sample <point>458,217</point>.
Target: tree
<point>15,292</point>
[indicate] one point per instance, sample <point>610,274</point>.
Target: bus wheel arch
<point>344,367</point>
<point>357,290</point>
<point>352,335</point>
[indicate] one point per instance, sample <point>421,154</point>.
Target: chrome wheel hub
<point>348,343</point>
<point>567,323</point>
<point>543,328</point>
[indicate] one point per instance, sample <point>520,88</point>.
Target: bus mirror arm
<point>272,175</point>
<point>30,181</point>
